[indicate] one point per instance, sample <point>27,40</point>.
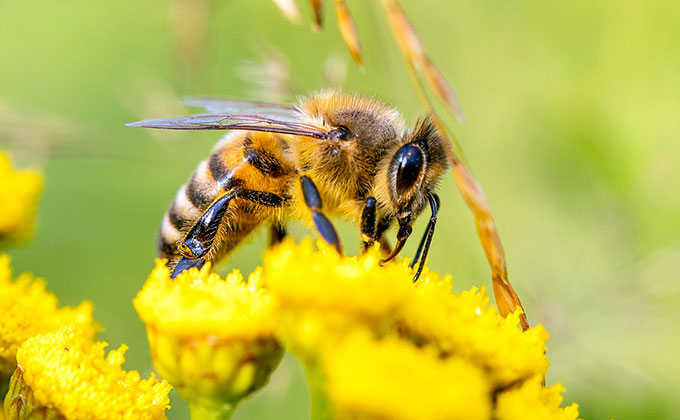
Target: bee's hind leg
<point>199,240</point>
<point>201,236</point>
<point>323,225</point>
<point>185,263</point>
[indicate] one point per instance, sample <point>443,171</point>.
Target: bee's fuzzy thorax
<point>321,106</point>
<point>345,170</point>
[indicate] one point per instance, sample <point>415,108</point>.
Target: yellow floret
<point>301,276</point>
<point>532,400</point>
<point>212,339</point>
<point>19,192</point>
<point>322,293</point>
<point>393,379</point>
<point>200,303</point>
<point>72,375</point>
<point>465,324</point>
<point>28,309</point>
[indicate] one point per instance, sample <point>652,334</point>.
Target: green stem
<point>206,409</point>
<point>4,386</point>
<point>321,409</point>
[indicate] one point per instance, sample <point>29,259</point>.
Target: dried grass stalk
<point>317,7</point>
<point>412,47</point>
<point>349,30</point>
<point>506,298</point>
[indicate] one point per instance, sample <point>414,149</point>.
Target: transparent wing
<point>234,106</point>
<point>250,122</point>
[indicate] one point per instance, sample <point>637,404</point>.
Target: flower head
<point>392,378</point>
<point>28,309</point>
<point>19,191</point>
<point>464,324</point>
<point>377,345</point>
<point>532,400</point>
<point>322,293</point>
<point>212,339</point>
<point>65,375</point>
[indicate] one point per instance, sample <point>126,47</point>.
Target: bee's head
<point>414,169</point>
<point>362,131</point>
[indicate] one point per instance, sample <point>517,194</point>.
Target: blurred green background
<point>573,124</point>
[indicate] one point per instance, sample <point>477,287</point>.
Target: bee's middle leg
<point>323,225</point>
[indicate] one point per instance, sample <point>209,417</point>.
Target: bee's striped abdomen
<point>188,206</point>
<point>252,161</point>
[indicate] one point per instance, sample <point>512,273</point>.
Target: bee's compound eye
<point>341,133</point>
<point>410,163</point>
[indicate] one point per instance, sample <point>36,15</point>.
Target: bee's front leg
<point>323,225</point>
<point>369,224</point>
<point>425,241</point>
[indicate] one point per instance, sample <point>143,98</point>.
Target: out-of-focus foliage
<point>572,131</point>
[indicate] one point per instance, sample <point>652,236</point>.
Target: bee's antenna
<point>420,247</point>
<point>422,239</point>
<point>426,240</point>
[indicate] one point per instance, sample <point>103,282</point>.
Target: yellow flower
<point>393,379</point>
<point>212,339</point>
<point>465,324</point>
<point>19,191</point>
<point>28,309</point>
<point>321,292</point>
<point>376,345</point>
<point>65,375</point>
<point>532,400</point>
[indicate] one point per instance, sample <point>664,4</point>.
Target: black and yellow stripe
<point>252,161</point>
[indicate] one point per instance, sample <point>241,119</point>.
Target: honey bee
<point>332,154</point>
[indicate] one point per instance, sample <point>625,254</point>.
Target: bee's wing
<point>250,122</point>
<point>235,106</point>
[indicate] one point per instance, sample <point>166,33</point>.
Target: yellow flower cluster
<point>466,325</point>
<point>65,375</point>
<point>374,344</point>
<point>19,191</point>
<point>28,309</point>
<point>212,339</point>
<point>384,347</point>
<point>59,371</point>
